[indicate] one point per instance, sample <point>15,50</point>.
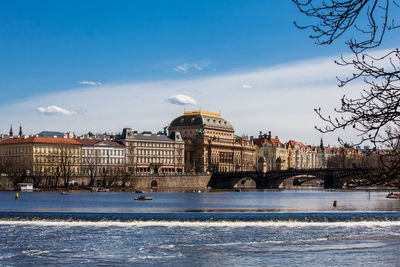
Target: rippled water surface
<point>281,201</point>
<point>291,228</point>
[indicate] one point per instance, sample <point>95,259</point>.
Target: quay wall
<point>171,183</point>
<point>168,183</point>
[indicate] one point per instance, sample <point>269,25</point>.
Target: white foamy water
<point>180,243</point>
<point>204,224</point>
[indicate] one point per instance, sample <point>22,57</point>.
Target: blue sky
<point>90,49</point>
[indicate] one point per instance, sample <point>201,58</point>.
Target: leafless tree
<point>15,168</point>
<point>366,20</point>
<point>111,176</point>
<point>125,178</point>
<point>375,113</point>
<point>91,166</point>
<point>3,164</point>
<point>65,165</point>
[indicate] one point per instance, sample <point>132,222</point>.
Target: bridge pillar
<point>332,182</point>
<point>267,182</point>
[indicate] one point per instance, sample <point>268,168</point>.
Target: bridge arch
<point>302,180</point>
<point>245,183</point>
<point>333,178</point>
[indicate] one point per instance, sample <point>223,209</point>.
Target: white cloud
<point>247,86</point>
<point>282,101</point>
<point>89,83</point>
<point>186,67</point>
<point>181,100</point>
<point>55,110</point>
<point>182,68</point>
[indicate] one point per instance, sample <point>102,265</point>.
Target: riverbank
<point>152,183</point>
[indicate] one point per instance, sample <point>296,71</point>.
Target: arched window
<point>154,183</point>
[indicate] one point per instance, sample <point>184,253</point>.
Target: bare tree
<point>3,163</point>
<point>64,168</point>
<point>375,113</point>
<point>111,176</point>
<point>15,168</point>
<point>91,166</point>
<point>367,20</point>
<point>125,178</point>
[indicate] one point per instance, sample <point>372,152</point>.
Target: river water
<point>271,228</point>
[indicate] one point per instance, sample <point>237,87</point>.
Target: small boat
<point>101,189</point>
<point>143,197</point>
<point>64,193</point>
<point>393,195</point>
<point>138,192</point>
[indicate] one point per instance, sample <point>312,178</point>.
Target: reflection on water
<point>268,201</point>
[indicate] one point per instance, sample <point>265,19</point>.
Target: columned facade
<point>210,143</point>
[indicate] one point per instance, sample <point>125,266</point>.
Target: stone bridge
<point>333,177</point>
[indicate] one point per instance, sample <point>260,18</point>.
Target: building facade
<point>41,156</point>
<point>211,145</point>
<point>148,153</point>
<point>271,153</point>
<point>4,137</point>
<point>102,157</point>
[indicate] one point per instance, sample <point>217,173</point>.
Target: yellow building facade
<point>41,156</point>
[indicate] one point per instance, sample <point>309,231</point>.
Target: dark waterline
<point>202,217</point>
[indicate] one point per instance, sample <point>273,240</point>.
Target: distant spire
<point>20,130</point>
<point>322,144</point>
<point>11,131</point>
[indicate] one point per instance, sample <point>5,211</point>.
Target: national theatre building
<point>211,145</point>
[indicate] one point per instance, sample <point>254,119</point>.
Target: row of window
<point>156,152</point>
<point>102,171</point>
<point>55,159</point>
<point>54,170</point>
<point>152,144</point>
<point>57,150</point>
<point>156,160</point>
<point>103,152</point>
<point>161,170</point>
<point>17,150</point>
<point>103,161</point>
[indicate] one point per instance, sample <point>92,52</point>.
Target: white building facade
<point>102,157</point>
<point>148,153</point>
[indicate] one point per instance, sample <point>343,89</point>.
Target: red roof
<point>292,143</point>
<point>40,140</point>
<point>274,141</point>
<point>92,142</point>
<point>88,142</point>
<point>260,141</point>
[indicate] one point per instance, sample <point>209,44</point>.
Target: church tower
<point>11,131</point>
<point>323,155</point>
<point>20,130</point>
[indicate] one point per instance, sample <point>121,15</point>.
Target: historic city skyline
<point>137,65</point>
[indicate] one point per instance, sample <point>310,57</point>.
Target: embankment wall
<point>176,183</point>
<point>171,183</point>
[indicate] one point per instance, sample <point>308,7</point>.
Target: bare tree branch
<point>375,113</point>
